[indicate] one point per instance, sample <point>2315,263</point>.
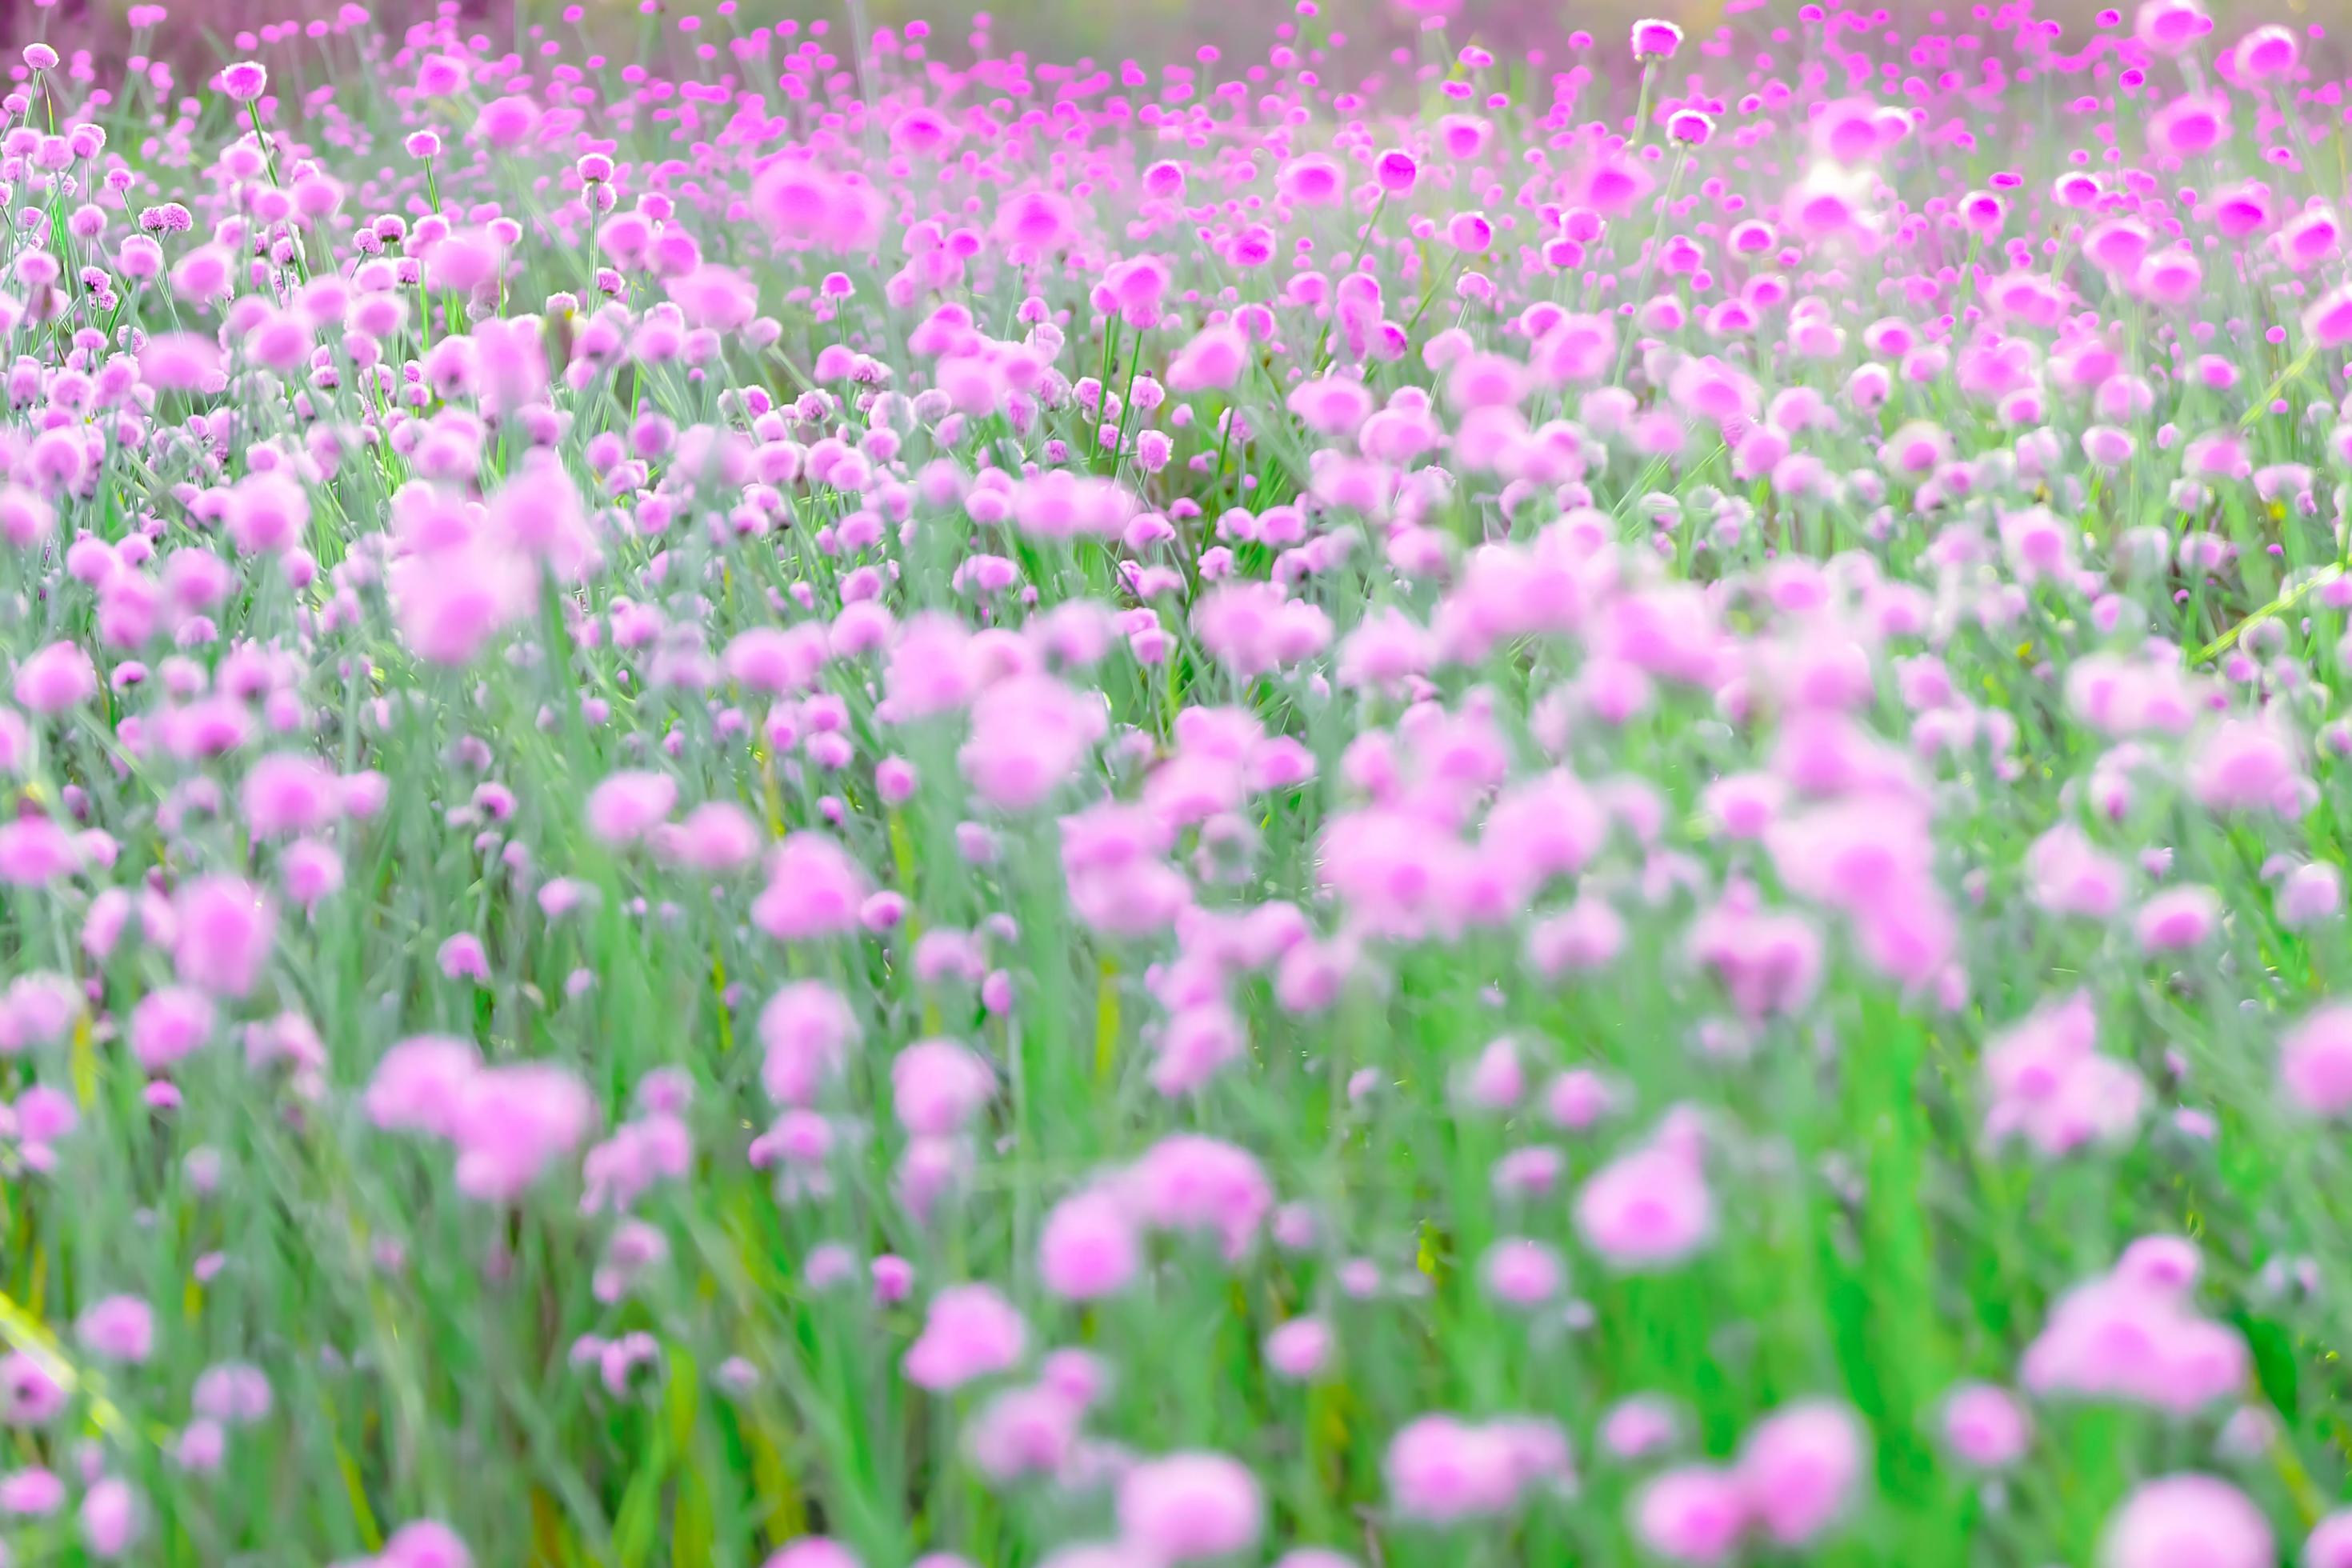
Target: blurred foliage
<point>200,32</point>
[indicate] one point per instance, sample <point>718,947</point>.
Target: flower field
<point>812,796</point>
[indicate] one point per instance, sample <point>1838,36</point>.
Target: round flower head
<point>513,1122</point>
<point>2170,27</point>
<point>1089,1247</point>
<point>1798,1468</point>
<point>1190,1506</point>
<point>1986,1426</point>
<point>227,929</point>
<point>1637,1426</point>
<point>110,1517</point>
<point>1656,40</point>
<point>56,678</point>
<point>2186,1521</point>
<point>244,81</point>
<point>31,1491</point>
<point>971,1331</point>
<point>2328,321</point>
<point>1299,1349</point>
<point>425,1544</point>
<point>119,1328</point>
<point>813,1551</point>
<point>1649,1209</point>
<point>30,1392</point>
<point>2267,53</point>
<point>2330,1544</point>
<point>2315,1061</point>
<point>1442,1469</point>
<point>2177,918</point>
<point>1696,1514</point>
<point>1690,127</point>
<point>627,806</point>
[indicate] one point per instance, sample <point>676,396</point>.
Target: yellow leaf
<point>1106,1020</point>
<point>370,1536</point>
<point>775,1482</point>
<point>550,1540</point>
<point>719,990</point>
<point>682,1398</point>
<point>691,1526</point>
<point>83,1064</point>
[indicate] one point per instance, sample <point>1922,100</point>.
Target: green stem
<point>1649,256</point>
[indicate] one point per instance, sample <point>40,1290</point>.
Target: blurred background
<point>1168,28</point>
<point>200,34</point>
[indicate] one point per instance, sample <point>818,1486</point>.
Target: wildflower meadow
<point>795,793</point>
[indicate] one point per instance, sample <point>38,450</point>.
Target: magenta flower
<point>244,81</point>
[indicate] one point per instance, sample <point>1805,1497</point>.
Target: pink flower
<point>1695,1514</point>
<point>2069,876</point>
<point>715,837</point>
<point>30,1392</point>
<point>2051,1086</point>
<point>2169,26</point>
<point>2328,321</point>
<point>813,1551</point>
<point>1189,1506</point>
<point>776,659</point>
<point>971,1331</point>
<point>1030,735</point>
<point>2246,764</point>
<point>2267,53</point>
<point>168,1024</point>
<point>1300,1349</point>
<point>2186,1521</point>
<point>2134,1336</point>
<point>815,890</point>
<point>937,1085</point>
<point>1637,1426</point>
<point>1212,361</point>
<point>59,676</point>
<point>1187,1182</point>
<point>1442,1469</point>
<point>1656,40</point>
<point>1089,1247</point>
<point>1025,1431</point>
<point>628,805</point>
<point>244,81</point>
<point>110,1517</point>
<point>119,1328</point>
<point>32,1491</point>
<point>512,1123</point>
<point>537,515</point>
<point>232,1393</point>
<point>1647,1209</point>
<point>808,1030</point>
<point>1798,1468</point>
<point>1521,1273</point>
<point>462,957</point>
<point>1986,1426</point>
<point>449,603</point>
<point>425,1543</point>
<point>420,1084</point>
<point>289,793</point>
<point>2315,1061</point>
<point>2177,919</point>
<point>228,928</point>
<point>2330,1544</point>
